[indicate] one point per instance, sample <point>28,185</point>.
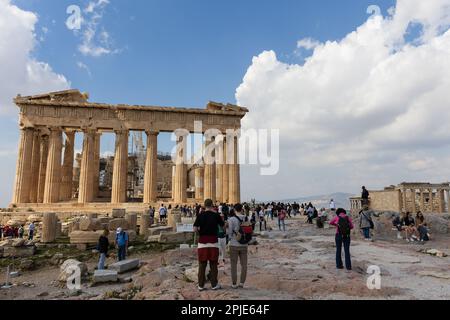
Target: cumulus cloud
<point>359,104</point>
<point>95,40</point>
<point>20,71</point>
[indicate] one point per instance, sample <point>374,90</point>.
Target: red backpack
<point>245,233</point>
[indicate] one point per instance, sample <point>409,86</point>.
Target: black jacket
<point>103,244</point>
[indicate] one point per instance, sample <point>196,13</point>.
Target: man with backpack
<point>207,225</point>
<point>344,225</point>
<point>366,222</point>
<point>240,233</point>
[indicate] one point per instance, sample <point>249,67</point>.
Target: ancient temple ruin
<point>408,197</point>
<point>46,176</point>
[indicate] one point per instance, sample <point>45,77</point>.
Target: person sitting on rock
<point>421,228</point>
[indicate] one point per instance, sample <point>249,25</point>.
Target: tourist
<point>162,213</point>
<point>422,227</point>
<point>321,218</point>
<point>366,222</point>
<point>310,213</point>
<point>365,196</point>
<point>332,205</point>
<point>222,235</point>
<point>281,219</point>
<point>121,244</point>
<point>344,225</point>
<point>207,225</point>
<point>262,220</point>
<point>238,224</point>
<point>102,247</point>
<point>31,228</point>
<point>21,232</point>
<point>408,225</point>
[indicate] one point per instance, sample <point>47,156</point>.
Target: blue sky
<point>187,52</point>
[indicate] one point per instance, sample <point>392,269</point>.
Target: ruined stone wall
<point>388,200</point>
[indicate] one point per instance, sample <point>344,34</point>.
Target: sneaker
<point>241,286</point>
<point>234,286</point>
<point>218,287</point>
<point>407,240</point>
<point>201,289</point>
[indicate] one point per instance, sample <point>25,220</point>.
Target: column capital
<point>152,132</point>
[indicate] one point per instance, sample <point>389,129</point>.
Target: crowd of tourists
<point>16,232</point>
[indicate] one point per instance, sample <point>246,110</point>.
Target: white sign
<point>185,227</point>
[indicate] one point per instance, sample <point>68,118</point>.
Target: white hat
<point>119,230</point>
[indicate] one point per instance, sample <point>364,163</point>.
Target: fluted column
<point>21,192</point>
<point>225,173</point>
<point>86,190</point>
<point>219,169</point>
<point>174,172</point>
<point>234,188</point>
<point>180,170</point>
<point>422,201</point>
<point>151,162</point>
<point>53,173</point>
<point>405,204</point>
<point>67,168</point>
<point>42,168</point>
<point>35,163</point>
<point>431,200</point>
<point>119,184</point>
<point>210,169</point>
<point>413,199</point>
<point>441,200</point>
<point>96,167</point>
<point>199,176</point>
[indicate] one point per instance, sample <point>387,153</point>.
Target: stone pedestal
<point>132,221</point>
<point>144,224</point>
<point>173,218</point>
<point>49,223</point>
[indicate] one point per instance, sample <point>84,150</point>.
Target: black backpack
<point>245,233</point>
<point>344,226</point>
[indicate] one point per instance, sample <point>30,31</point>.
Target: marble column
<point>441,200</point>
<point>180,171</point>
<point>21,192</point>
<point>210,169</point>
<point>219,170</point>
<point>234,171</point>
<point>86,190</point>
<point>96,167</point>
<point>199,176</point>
<point>151,163</point>
<point>174,171</point>
<point>413,200</point>
<point>225,173</point>
<point>405,203</point>
<point>430,191</point>
<point>35,163</point>
<point>119,184</point>
<point>67,168</point>
<point>53,173</point>
<point>422,201</point>
<point>42,168</point>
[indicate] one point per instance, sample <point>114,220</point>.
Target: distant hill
<point>341,199</point>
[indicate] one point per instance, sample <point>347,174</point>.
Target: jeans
<point>121,254</point>
<point>240,253</point>
<point>281,222</point>
<point>101,261</point>
<point>346,242</point>
<point>213,273</point>
<point>30,235</point>
<point>261,224</point>
<point>222,248</point>
<point>366,232</point>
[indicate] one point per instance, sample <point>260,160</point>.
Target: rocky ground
<point>297,264</point>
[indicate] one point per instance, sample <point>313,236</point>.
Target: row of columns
<point>422,207</point>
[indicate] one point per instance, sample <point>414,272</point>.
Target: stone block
<point>19,252</point>
<point>118,223</point>
<point>102,276</point>
<point>118,213</point>
<point>88,224</point>
<point>175,237</point>
<point>66,269</point>
<point>124,266</point>
<point>158,230</point>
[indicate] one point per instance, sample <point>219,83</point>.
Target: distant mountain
<point>340,199</point>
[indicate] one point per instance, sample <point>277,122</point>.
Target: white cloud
<point>357,105</point>
<point>20,71</point>
<point>95,40</point>
<point>84,67</point>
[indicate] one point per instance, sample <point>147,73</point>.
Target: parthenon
<point>49,122</point>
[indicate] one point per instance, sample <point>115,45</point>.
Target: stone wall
<point>388,200</point>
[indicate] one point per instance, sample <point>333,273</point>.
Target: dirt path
<point>298,264</point>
